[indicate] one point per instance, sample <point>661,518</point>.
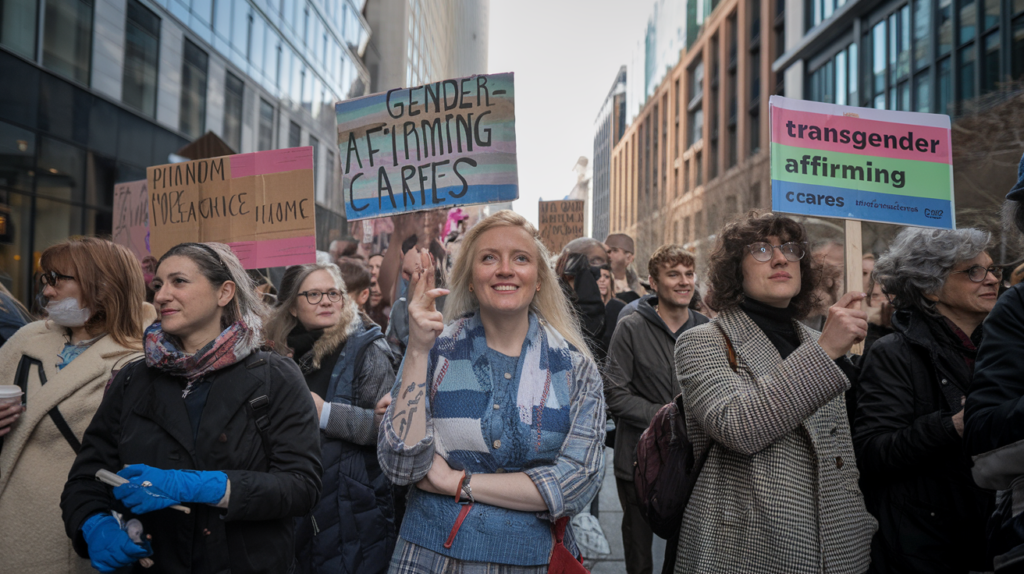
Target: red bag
<point>665,468</point>
<point>562,562</point>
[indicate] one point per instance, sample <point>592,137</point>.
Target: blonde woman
<point>96,314</point>
<point>498,413</point>
<point>347,365</point>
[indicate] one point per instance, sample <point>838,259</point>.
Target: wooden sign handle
<point>854,266</point>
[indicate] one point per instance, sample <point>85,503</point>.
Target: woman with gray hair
<point>909,418</point>
<point>347,366</point>
<point>205,397</point>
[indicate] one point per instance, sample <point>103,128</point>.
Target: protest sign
<point>560,222</point>
<point>861,163</point>
<point>439,145</point>
<point>261,204</point>
<point>131,217</point>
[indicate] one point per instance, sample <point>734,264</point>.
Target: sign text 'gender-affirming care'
<point>261,204</point>
<point>443,144</point>
<point>861,163</point>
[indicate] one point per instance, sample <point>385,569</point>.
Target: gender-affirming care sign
<point>861,163</point>
<point>261,204</point>
<point>443,144</point>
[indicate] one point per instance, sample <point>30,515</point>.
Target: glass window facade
<point>67,38</point>
<point>62,150</point>
<point>930,56</point>
<point>141,52</point>
<point>266,132</point>
<point>18,26</point>
<point>192,119</point>
<point>234,95</point>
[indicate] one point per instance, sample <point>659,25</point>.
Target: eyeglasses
<point>762,250</point>
<point>51,278</point>
<point>977,273</point>
<point>314,297</point>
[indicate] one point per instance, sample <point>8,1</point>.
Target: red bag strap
<point>458,524</point>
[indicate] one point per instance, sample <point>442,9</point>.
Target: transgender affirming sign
<point>439,145</point>
<point>861,163</point>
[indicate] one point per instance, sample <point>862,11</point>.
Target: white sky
<point>565,54</point>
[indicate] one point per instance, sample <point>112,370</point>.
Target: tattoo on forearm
<point>404,417</point>
<point>410,388</point>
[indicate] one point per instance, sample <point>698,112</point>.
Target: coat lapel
<point>164,406</point>
<point>228,394</point>
<point>756,353</point>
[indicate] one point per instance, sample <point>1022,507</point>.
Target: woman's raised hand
<point>425,321</point>
<point>845,325</point>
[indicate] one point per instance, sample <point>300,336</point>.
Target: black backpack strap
<point>259,408</point>
<point>21,379</point>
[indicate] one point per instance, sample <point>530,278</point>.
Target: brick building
<point>697,153</point>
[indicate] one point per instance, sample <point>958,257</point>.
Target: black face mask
<point>587,296</point>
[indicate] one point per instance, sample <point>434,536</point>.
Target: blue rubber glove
<point>109,546</point>
<point>152,489</point>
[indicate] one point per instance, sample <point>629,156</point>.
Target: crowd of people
<point>445,405</point>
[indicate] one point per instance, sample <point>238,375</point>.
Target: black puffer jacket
<point>352,529</point>
<point>914,473</point>
<point>143,420</point>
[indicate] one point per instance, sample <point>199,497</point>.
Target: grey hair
<point>282,322</point>
<point>1013,215</point>
<point>920,260</point>
<point>218,264</point>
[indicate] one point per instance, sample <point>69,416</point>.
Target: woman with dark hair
<point>764,398</point>
<point>95,317</point>
<point>347,366</point>
<point>909,415</point>
<point>208,420</point>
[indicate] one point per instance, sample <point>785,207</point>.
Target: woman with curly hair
<point>764,398</point>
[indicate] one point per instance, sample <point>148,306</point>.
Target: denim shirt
<point>475,416</point>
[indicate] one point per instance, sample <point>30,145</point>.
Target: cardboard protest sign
<point>560,223</point>
<point>131,217</point>
<point>861,163</point>
<point>439,145</point>
<point>261,204</point>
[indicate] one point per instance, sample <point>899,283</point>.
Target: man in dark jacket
<point>640,379</point>
<point>994,413</point>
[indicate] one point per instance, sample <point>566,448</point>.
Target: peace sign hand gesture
<point>425,321</point>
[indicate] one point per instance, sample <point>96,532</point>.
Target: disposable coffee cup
<point>9,394</point>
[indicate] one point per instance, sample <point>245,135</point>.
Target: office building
<point>421,41</point>
<point>95,91</point>
<point>656,53</point>
<point>697,153</point>
<point>964,58</point>
<point>608,129</point>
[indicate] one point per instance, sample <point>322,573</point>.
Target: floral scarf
<point>162,352</point>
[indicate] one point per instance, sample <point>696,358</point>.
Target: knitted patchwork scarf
<point>163,352</point>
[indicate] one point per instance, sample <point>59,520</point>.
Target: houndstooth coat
<point>779,490</point>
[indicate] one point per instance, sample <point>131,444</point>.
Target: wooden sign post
<point>854,266</point>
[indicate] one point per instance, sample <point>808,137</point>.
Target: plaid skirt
<point>412,559</point>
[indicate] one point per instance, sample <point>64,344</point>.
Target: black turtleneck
<point>775,322</point>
